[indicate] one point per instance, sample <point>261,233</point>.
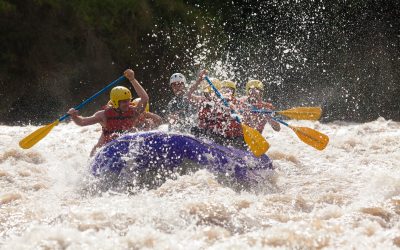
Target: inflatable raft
<point>154,154</point>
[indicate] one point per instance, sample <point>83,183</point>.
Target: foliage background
<point>342,55</point>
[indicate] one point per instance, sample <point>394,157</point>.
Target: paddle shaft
<point>280,121</point>
<point>222,98</point>
<point>256,110</point>
<point>262,111</point>
<point>120,79</point>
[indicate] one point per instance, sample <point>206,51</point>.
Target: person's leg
<point>98,145</point>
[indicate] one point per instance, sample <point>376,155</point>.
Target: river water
<point>347,196</point>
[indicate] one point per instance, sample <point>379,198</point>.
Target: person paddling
<point>118,118</point>
<point>215,120</point>
<point>147,120</point>
<point>179,110</point>
<point>254,100</point>
<point>207,93</point>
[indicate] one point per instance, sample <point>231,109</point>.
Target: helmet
<point>119,93</point>
<point>254,84</point>
<point>136,102</point>
<point>177,77</point>
<point>228,84</point>
<point>207,88</point>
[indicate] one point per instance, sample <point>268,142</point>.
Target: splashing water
<point>347,196</point>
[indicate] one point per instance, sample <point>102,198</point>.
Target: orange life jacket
<point>118,122</point>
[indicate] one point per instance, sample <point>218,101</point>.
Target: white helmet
<point>177,77</point>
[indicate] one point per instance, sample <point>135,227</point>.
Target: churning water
<point>347,196</point>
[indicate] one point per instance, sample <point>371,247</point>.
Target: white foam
<point>342,197</point>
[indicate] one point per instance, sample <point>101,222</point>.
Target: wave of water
<point>347,196</point>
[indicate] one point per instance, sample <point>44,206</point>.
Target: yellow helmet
<point>119,93</point>
<point>207,88</point>
<point>229,84</point>
<point>254,84</point>
<point>136,102</point>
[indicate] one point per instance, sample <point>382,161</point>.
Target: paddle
<point>256,142</point>
<point>297,113</point>
<point>40,133</point>
<point>309,136</point>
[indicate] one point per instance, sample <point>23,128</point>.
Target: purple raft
<point>148,151</point>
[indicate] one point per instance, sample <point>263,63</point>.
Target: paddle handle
<point>226,103</point>
<point>120,79</point>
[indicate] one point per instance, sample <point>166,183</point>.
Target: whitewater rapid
<point>347,196</point>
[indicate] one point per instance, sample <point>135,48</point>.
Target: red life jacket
<point>227,126</point>
<point>205,116</point>
<point>219,121</point>
<point>119,122</point>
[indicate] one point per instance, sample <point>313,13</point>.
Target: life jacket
<point>205,116</point>
<point>119,122</point>
<point>219,121</point>
<point>264,105</point>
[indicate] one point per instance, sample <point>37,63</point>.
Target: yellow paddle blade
<point>302,113</point>
<point>256,142</point>
<point>311,137</point>
<point>37,135</point>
